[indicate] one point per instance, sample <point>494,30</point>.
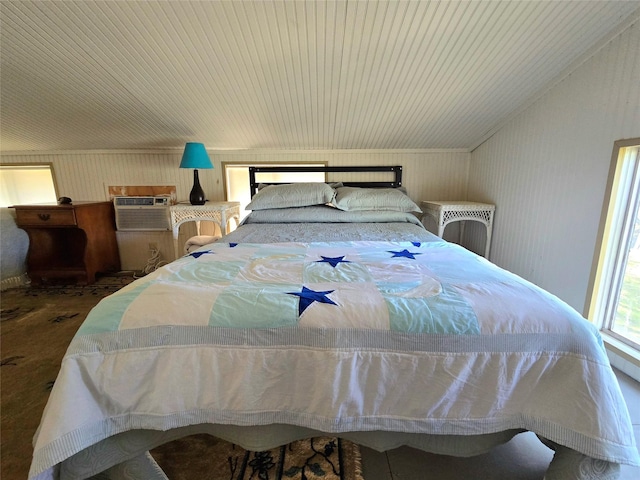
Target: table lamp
<point>195,156</point>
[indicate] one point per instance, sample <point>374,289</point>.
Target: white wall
<point>546,170</point>
<point>428,174</point>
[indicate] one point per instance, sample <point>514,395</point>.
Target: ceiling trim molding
<point>151,151</point>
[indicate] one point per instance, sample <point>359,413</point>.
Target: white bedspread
<point>420,337</point>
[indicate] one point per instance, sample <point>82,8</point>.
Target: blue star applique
<point>198,254</point>
<point>308,296</point>
<point>416,244</point>
<point>333,261</point>
<point>405,253</point>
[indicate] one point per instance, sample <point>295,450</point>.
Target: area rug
<point>36,326</point>
<point>208,458</point>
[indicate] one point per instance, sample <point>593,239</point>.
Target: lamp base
<point>196,197</point>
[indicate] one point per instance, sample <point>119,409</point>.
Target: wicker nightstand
<point>445,212</point>
<point>218,212</point>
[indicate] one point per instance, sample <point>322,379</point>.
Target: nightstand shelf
<point>446,212</point>
<point>217,212</point>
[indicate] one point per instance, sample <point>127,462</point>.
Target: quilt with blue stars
<point>410,337</point>
<point>396,286</point>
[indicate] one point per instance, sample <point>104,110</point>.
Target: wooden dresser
<point>69,241</point>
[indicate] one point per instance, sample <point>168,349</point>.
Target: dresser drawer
<point>45,217</point>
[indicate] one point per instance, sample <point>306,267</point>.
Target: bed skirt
<point>126,456</point>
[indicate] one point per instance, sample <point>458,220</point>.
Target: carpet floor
<point>36,326</point>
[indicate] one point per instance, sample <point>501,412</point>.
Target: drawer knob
<point>44,216</point>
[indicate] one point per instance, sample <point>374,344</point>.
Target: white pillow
<point>292,195</point>
<point>355,198</point>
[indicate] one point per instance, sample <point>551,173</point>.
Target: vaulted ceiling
<point>267,74</point>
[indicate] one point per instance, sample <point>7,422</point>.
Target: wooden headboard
<point>396,170</point>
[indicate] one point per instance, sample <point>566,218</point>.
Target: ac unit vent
<point>142,213</point>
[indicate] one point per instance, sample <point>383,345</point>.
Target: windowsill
<point>622,356</point>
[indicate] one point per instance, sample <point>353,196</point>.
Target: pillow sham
<point>356,198</point>
<point>326,214</point>
<point>291,195</point>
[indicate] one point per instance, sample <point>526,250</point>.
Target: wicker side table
<point>218,212</point>
<point>446,212</point>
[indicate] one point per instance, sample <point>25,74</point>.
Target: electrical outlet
<point>153,246</point>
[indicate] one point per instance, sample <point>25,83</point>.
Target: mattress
<point>379,332</point>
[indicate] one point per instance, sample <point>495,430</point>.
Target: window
<point>26,185</point>
<point>236,178</point>
<point>615,303</point>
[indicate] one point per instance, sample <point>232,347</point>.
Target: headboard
<point>396,170</point>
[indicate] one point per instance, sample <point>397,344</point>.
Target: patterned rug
<point>36,326</point>
<point>207,458</point>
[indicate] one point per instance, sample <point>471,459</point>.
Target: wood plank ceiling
<point>265,74</point>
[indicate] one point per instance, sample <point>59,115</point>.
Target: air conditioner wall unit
<point>142,213</point>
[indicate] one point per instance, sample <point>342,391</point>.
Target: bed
<point>331,309</point>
